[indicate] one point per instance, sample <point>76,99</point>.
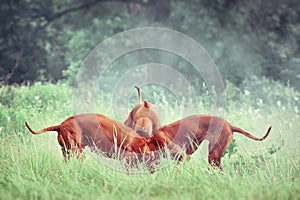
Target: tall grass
<point>32,166</point>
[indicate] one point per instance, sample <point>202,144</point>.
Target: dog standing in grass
<point>100,133</point>
<point>143,118</point>
<point>184,136</point>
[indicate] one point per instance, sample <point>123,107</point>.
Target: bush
<point>20,103</point>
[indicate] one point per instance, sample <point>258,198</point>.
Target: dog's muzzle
<point>143,132</point>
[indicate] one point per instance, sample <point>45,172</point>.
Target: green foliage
<point>245,39</point>
<point>32,165</point>
<point>231,150</point>
<point>257,160</point>
<point>262,158</point>
<point>21,103</point>
<point>24,40</point>
<point>43,39</point>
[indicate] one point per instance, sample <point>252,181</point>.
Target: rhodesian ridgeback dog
<point>143,118</point>
<point>184,136</point>
<point>102,135</point>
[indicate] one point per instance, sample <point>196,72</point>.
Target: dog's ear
<point>129,120</point>
<point>147,104</point>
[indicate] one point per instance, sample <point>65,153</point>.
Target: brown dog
<point>100,133</point>
<point>143,118</point>
<point>184,137</point>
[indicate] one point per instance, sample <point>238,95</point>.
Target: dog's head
<point>143,119</point>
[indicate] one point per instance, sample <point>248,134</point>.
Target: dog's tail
<point>51,128</point>
<point>239,130</point>
<point>139,94</point>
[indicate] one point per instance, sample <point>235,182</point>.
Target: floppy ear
<point>129,121</point>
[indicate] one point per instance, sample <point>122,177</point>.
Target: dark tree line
<point>31,45</point>
<point>47,40</point>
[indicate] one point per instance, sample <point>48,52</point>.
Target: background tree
<point>47,40</point>
<point>34,34</point>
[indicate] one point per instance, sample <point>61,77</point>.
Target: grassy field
<point>31,166</point>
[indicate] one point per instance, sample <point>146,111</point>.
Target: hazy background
<point>47,40</point>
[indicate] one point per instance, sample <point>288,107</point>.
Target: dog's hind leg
<point>218,148</point>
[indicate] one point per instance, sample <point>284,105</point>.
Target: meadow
<point>32,167</point>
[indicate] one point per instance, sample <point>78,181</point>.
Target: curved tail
<point>139,94</point>
<point>51,128</point>
<point>239,130</point>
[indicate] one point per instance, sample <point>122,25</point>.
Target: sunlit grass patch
<point>32,166</point>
